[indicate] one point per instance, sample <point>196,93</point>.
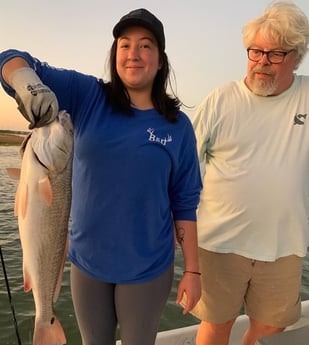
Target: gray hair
<point>282,22</point>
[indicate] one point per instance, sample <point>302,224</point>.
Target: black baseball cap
<point>144,18</point>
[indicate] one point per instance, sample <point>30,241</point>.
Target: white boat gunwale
<point>186,335</point>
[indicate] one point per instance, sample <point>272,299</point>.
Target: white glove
<point>37,103</point>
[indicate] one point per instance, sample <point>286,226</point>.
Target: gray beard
<point>263,88</point>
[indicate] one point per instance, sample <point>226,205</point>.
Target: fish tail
<point>49,334</point>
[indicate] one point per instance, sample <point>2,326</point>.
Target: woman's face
<point>137,59</point>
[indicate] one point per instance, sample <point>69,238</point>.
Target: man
<point>253,140</point>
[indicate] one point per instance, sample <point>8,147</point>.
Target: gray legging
<point>136,308</point>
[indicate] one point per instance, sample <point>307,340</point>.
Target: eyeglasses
<point>273,56</point>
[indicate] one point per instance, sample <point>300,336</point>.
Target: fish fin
<point>50,333</point>
<point>27,281</point>
<point>14,173</point>
<point>27,286</point>
<point>59,281</point>
<point>45,190</point>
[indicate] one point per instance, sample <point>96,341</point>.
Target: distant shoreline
<point>11,139</point>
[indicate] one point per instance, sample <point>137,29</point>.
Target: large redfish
<point>42,204</point>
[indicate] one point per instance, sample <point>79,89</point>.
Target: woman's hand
<point>189,291</point>
<point>36,102</point>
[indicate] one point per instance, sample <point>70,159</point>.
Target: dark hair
<point>119,97</point>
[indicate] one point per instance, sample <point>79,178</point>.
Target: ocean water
<point>22,303</point>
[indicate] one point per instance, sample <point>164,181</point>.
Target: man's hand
<point>36,102</point>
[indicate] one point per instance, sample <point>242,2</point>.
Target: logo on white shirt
<point>299,119</point>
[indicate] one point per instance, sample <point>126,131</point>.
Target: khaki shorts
<point>269,291</point>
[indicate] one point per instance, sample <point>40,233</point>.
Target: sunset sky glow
<point>204,42</point>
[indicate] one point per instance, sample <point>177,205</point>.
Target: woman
<point>135,178</point>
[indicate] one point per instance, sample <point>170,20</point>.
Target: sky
<point>203,40</point>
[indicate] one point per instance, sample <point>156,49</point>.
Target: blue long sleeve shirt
<point>132,177</point>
